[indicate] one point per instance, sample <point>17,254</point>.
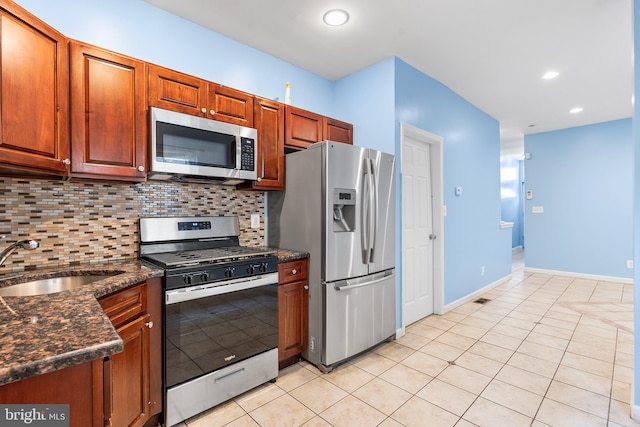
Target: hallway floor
<point>543,351</point>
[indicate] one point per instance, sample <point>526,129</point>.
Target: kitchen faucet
<point>24,244</point>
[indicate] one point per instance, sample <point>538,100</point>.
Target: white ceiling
<point>491,52</point>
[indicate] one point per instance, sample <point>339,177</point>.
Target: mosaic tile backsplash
<point>90,222</point>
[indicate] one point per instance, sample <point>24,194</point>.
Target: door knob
<point>432,237</point>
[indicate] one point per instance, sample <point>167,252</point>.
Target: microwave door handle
<point>236,152</point>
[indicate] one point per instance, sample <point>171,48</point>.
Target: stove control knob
<point>251,269</point>
<point>263,267</point>
<point>188,279</point>
<point>229,271</point>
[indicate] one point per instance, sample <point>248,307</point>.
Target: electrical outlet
<point>629,263</point>
<point>255,220</point>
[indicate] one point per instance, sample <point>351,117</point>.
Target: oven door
<point>208,327</point>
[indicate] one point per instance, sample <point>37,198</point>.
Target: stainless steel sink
<point>50,286</point>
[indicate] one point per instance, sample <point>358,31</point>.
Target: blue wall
<point>471,159</point>
<point>511,179</point>
<point>140,30</point>
<point>473,238</point>
<point>583,178</point>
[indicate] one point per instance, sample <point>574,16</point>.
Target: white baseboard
<point>400,332</point>
<point>626,280</point>
<point>475,294</point>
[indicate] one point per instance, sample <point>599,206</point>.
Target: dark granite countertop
<point>43,333</point>
<point>285,255</point>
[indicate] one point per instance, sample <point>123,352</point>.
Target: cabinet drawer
<point>292,271</point>
<point>126,304</point>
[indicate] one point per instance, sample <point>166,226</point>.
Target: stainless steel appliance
<point>339,205</point>
<point>220,311</point>
<point>186,146</point>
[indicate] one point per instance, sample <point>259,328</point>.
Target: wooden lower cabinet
<point>293,308</point>
<point>132,387</point>
<point>72,386</point>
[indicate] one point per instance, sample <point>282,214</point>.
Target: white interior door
<point>417,229</point>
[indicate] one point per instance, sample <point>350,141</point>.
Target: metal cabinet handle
<point>294,271</point>
<point>141,168</point>
<point>149,324</point>
<point>204,110</point>
<point>306,287</point>
<point>432,236</point>
<point>66,162</point>
<point>212,112</point>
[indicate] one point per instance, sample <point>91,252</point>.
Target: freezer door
<point>384,200</point>
<point>343,204</point>
<point>359,313</point>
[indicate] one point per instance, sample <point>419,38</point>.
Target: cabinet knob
<point>149,324</point>
<point>141,168</point>
<point>66,162</point>
<point>204,110</point>
<point>294,271</point>
<point>306,287</point>
<point>259,179</point>
<point>212,112</point>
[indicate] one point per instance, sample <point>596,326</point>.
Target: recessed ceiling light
<point>336,17</point>
<point>550,75</point>
<point>576,110</point>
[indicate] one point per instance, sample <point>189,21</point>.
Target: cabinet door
<point>292,313</point>
<point>269,121</point>
<point>176,91</point>
<point>108,114</point>
<point>130,375</point>
<point>34,91</point>
<point>303,128</point>
<point>336,130</point>
<point>230,105</point>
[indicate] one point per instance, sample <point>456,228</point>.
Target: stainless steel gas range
<point>220,311</point>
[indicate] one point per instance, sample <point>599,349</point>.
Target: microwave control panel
<point>247,154</point>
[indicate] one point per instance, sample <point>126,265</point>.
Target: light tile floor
<point>544,351</point>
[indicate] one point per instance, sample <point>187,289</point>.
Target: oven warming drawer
<point>189,399</point>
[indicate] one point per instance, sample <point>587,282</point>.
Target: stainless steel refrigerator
<point>339,205</point>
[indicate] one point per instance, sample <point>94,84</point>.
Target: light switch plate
<point>529,194</point>
<point>255,220</point>
<point>537,209</point>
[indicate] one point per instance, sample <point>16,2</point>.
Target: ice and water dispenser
<point>344,210</point>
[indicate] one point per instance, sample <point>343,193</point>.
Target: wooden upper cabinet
<point>303,128</point>
<point>108,114</point>
<point>336,130</point>
<point>269,121</point>
<point>230,105</point>
<point>176,91</point>
<point>34,87</point>
<point>187,94</point>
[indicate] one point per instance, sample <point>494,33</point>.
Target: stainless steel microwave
<point>185,146</point>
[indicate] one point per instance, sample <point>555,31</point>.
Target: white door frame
<point>436,143</point>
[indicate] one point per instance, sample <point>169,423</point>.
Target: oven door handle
<point>174,296</point>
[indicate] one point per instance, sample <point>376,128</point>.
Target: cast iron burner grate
<point>482,300</point>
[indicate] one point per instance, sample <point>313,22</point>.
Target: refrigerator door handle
<point>366,212</point>
<point>360,285</point>
<point>373,209</point>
